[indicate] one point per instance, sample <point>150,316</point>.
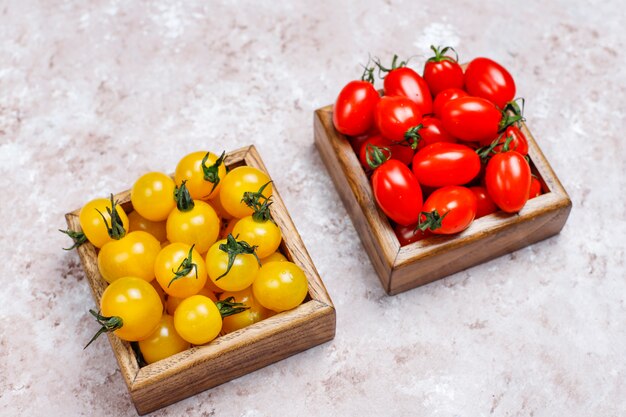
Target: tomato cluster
<point>197,256</point>
<point>442,148</point>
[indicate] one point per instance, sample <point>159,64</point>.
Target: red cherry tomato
<point>442,164</point>
<point>407,83</point>
<point>535,188</point>
<point>444,97</point>
<point>452,207</point>
<point>395,116</point>
<point>397,192</point>
<point>401,153</point>
<point>353,112</point>
<point>432,131</point>
<point>519,142</point>
<point>488,79</point>
<point>484,203</point>
<point>507,178</point>
<point>409,234</point>
<point>442,72</point>
<point>357,141</point>
<point>471,118</point>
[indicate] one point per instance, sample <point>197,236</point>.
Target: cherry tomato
<point>137,303</point>
<point>216,203</point>
<point>471,118</point>
<point>138,223</point>
<point>353,112</point>
<point>487,79</point>
<point>484,203</point>
<point>274,257</point>
<point>280,286</point>
<point>152,196</point>
<point>255,312</point>
<point>177,273</point>
<point>410,234</point>
<point>238,181</point>
<point>265,235</point>
<point>159,290</point>
<point>452,209</point>
<point>203,176</point>
<point>133,255</point>
<point>407,83</point>
<point>397,192</point>
<point>395,116</point>
<point>357,141</point>
<point>446,96</point>
<point>432,131</point>
<point>198,225</point>
<point>163,342</point>
<point>401,153</point>
<point>442,71</point>
<point>198,320</point>
<point>442,164</point>
<point>173,302</point>
<point>519,143</point>
<point>507,178</point>
<point>242,272</point>
<point>92,224</point>
<point>535,190</point>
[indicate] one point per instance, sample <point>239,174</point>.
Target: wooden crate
<point>402,268</point>
<point>235,354</point>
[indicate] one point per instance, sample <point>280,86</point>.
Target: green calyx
<point>184,202</point>
<point>485,152</point>
<point>375,156</point>
<point>382,70</point>
<point>440,54</point>
<point>78,237</point>
<point>185,267</point>
<point>211,172</point>
<point>412,137</point>
<point>109,324</point>
<point>430,220</point>
<point>228,307</point>
<point>512,114</point>
<point>259,203</point>
<point>368,72</point>
<point>116,228</point>
<point>233,247</point>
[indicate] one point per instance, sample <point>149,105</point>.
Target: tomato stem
<point>185,267</point>
<point>211,173</point>
<point>78,237</point>
<point>394,65</point>
<point>412,137</point>
<point>430,220</point>
<point>368,72</point>
<point>512,114</point>
<point>109,324</point>
<point>116,229</point>
<point>375,156</point>
<point>261,208</point>
<point>228,307</point>
<point>485,152</point>
<point>233,247</point>
<point>184,202</point>
<point>440,54</point>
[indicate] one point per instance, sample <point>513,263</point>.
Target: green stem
<point>432,220</point>
<point>184,202</point>
<point>211,172</point>
<point>116,229</point>
<point>185,267</point>
<point>233,247</point>
<point>375,156</point>
<point>440,54</point>
<point>78,237</point>
<point>259,203</point>
<point>228,307</point>
<point>109,324</point>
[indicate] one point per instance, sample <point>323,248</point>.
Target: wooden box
<point>402,268</point>
<point>235,354</point>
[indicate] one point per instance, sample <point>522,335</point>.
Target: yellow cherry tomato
<point>265,235</point>
<point>238,181</point>
<point>280,286</point>
<point>203,172</point>
<point>178,273</point>
<point>136,303</point>
<point>198,226</point>
<point>255,313</point>
<point>152,196</point>
<point>93,225</point>
<point>274,257</point>
<point>242,272</point>
<point>138,223</point>
<point>197,320</point>
<point>133,255</point>
<point>174,302</point>
<point>163,342</point>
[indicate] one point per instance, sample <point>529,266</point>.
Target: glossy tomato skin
<point>535,188</point>
<point>353,112</point>
<point>408,83</point>
<point>471,118</point>
<point>280,286</point>
<point>432,131</point>
<point>458,202</point>
<point>487,79</point>
<point>484,203</point>
<point>442,164</point>
<point>443,75</point>
<point>401,153</point>
<point>92,223</point>
<point>236,183</point>
<point>133,255</point>
<point>444,97</point>
<point>507,179</point>
<point>395,115</point>
<point>397,192</point>
<point>163,342</point>
<point>410,234</point>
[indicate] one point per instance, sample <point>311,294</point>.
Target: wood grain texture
<point>403,268</point>
<point>235,354</point>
